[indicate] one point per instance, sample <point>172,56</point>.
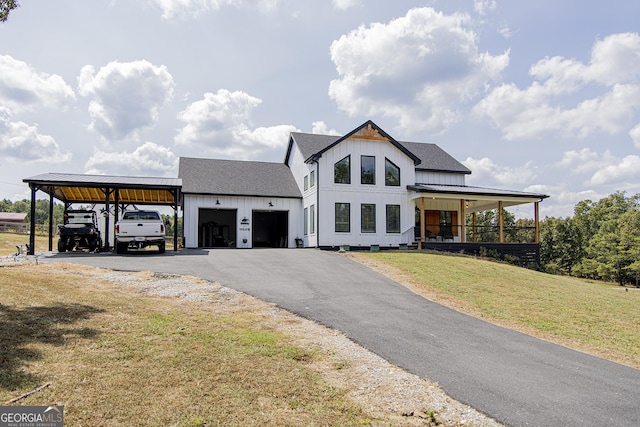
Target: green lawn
<point>596,317</point>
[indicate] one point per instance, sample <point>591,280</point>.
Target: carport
<point>119,191</point>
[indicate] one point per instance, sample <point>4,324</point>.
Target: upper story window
<point>342,171</point>
<point>312,178</point>
<point>367,170</point>
<point>391,173</point>
<point>306,182</point>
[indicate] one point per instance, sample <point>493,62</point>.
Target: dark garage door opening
<point>217,228</point>
<point>270,229</point>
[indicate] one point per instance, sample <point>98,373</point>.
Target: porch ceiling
<point>476,198</point>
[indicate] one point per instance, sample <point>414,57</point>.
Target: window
<point>343,217</point>
<point>342,171</point>
<point>368,218</point>
<point>312,219</point>
<point>306,182</point>
<point>306,221</point>
<point>391,173</point>
<point>393,218</point>
<point>367,170</point>
<point>312,178</point>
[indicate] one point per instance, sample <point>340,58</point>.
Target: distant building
<point>13,222</point>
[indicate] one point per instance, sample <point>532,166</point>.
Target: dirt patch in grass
<point>121,348</point>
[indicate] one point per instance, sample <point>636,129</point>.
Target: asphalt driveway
<point>514,378</point>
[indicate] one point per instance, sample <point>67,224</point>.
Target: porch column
<point>473,228</point>
<point>537,219</point>
<point>501,221</point>
<point>422,222</point>
<point>463,231</point>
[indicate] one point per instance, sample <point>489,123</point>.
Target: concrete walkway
<point>514,378</point>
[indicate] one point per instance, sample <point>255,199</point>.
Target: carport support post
<point>32,231</point>
<point>107,208</point>
<point>175,220</point>
<point>50,221</point>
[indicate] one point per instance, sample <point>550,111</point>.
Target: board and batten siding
<point>300,169</point>
<point>357,194</point>
<point>244,207</point>
<point>440,178</point>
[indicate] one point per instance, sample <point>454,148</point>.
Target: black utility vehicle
<point>80,231</point>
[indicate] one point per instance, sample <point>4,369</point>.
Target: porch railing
<point>478,234</point>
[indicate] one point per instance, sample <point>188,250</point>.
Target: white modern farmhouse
<point>360,190</point>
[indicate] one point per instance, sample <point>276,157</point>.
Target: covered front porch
<point>459,218</point>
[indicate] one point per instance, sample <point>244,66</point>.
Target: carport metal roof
<point>76,188</point>
<point>103,189</point>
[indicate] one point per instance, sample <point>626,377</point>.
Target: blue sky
<point>534,96</point>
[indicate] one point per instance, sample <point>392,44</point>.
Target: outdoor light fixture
<point>270,204</point>
<point>217,201</point>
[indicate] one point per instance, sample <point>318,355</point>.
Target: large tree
<point>7,6</point>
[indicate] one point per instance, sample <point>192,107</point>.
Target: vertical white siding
<point>440,178</point>
<point>357,194</point>
<point>244,206</point>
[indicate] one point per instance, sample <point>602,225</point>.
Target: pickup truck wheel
<point>61,246</point>
<point>161,248</point>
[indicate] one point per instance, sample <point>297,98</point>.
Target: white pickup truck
<point>139,229</point>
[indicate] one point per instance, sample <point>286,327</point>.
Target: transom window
<point>342,171</point>
<point>368,218</point>
<point>343,217</point>
<point>391,173</point>
<point>367,170</point>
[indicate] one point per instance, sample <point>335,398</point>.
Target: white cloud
<point>321,128</point>
<point>24,89</point>
<point>585,161</point>
<point>541,108</point>
<point>346,4</point>
<point>126,96</point>
<point>185,9</point>
<point>605,169</point>
<point>634,133</point>
<point>24,142</point>
<point>220,124</point>
<point>488,173</point>
<point>624,170</point>
<point>484,6</point>
<point>417,69</point>
<point>147,160</point>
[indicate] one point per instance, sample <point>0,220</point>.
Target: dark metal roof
<point>427,157</point>
<point>237,178</point>
<point>473,191</point>
<point>79,188</point>
<point>434,158</point>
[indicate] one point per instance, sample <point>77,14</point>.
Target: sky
<point>531,96</point>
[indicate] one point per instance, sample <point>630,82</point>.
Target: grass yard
<point>9,241</point>
<point>595,317</point>
<point>115,357</point>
